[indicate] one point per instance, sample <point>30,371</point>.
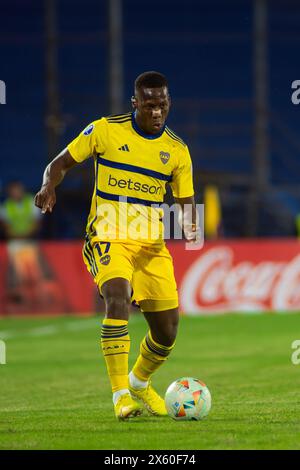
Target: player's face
<point>152,108</point>
<point>16,191</point>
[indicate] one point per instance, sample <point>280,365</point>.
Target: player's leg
<point>163,326</point>
<point>156,292</point>
<point>155,349</point>
<point>157,344</point>
<point>111,266</point>
<point>115,342</point>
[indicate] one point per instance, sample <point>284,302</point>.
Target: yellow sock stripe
<point>114,322</point>
<point>167,348</point>
<point>114,332</point>
<point>113,329</point>
<point>114,335</point>
<point>114,354</point>
<point>115,340</point>
<point>115,345</point>
<point>154,350</point>
<point>151,358</point>
<point>155,347</point>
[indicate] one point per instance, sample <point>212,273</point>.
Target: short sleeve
<point>182,176</point>
<point>91,140</point>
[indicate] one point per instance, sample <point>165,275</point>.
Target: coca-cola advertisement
<point>238,276</point>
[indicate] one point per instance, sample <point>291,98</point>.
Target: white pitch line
<point>47,330</point>
<point>7,334</point>
<point>82,325</point>
<point>43,331</point>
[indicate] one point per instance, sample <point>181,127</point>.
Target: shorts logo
<point>164,156</point>
<point>88,130</point>
<point>105,260</point>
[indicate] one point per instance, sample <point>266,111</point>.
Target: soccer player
<point>135,155</point>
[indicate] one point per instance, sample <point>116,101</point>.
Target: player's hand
<point>192,232</point>
<point>193,237</point>
<point>45,199</point>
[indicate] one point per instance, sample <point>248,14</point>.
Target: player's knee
<point>167,333</point>
<point>116,293</point>
<point>172,333</point>
<point>117,306</point>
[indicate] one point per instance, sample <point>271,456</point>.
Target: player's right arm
<point>54,173</point>
<point>90,141</point>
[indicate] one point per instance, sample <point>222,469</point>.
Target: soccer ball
<point>188,399</point>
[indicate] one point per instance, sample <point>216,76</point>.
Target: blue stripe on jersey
<point>129,200</point>
<point>134,169</point>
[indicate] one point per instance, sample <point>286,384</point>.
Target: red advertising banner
<point>44,278</point>
<point>226,276</point>
<point>231,276</point>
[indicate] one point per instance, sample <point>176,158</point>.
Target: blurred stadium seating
<point>206,50</point>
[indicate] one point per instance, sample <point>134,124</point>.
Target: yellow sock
<point>152,356</point>
<point>115,342</point>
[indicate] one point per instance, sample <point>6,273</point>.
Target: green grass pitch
<point>55,392</point>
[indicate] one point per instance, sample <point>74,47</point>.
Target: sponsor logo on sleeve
<point>89,129</point>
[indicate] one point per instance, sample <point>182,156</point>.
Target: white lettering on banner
<point>2,352</point>
<point>296,354</point>
<point>287,292</point>
<point>214,284</point>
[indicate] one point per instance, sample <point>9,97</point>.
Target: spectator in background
<point>19,216</point>
<point>297,222</point>
<point>20,220</point>
<point>212,212</point>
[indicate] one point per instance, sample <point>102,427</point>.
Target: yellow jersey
<point>131,172</point>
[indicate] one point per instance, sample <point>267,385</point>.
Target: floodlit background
<point>233,72</point>
<point>232,69</point>
<point>230,66</point>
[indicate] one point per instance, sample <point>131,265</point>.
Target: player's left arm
<point>183,192</point>
<point>188,218</point>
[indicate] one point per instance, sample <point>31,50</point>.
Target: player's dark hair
<point>150,80</point>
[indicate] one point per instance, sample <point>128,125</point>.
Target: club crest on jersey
<point>164,156</point>
<point>89,129</point>
<point>105,260</point>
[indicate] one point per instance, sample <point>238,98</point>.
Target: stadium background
<point>58,80</point>
<point>230,65</point>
